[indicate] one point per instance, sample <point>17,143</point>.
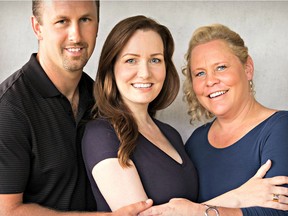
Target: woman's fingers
<point>263,169</point>
<point>280,203</point>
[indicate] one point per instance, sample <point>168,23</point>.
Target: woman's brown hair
<point>109,103</point>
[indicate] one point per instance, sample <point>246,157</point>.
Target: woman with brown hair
<point>130,155</point>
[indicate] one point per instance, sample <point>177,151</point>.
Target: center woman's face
<point>140,68</point>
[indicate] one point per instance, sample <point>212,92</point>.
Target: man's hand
<point>133,209</point>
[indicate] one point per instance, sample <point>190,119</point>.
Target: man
<point>43,108</point>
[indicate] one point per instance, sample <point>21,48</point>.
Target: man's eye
<point>85,19</point>
<point>221,67</point>
<point>61,22</point>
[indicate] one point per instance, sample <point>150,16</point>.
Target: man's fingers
<point>153,211</point>
<point>133,209</point>
<point>143,205</point>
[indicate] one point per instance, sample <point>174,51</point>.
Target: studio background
<point>262,24</point>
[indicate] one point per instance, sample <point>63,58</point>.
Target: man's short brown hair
<point>36,9</point>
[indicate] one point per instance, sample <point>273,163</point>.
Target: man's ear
<point>36,26</point>
<point>249,68</point>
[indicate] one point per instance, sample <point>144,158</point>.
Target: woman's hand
<point>175,207</point>
<point>257,191</point>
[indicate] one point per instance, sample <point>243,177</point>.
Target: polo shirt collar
<point>41,82</point>
<point>39,78</point>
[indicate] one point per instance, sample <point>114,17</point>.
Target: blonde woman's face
<point>220,80</point>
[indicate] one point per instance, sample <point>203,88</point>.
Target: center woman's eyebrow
<point>137,55</point>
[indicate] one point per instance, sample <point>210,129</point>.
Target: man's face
<point>67,34</point>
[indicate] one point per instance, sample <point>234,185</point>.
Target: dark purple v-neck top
<point>162,177</point>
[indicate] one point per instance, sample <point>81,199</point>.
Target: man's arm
<point>12,205</point>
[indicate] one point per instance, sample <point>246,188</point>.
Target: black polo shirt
<point>40,152</point>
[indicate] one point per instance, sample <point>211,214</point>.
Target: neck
<point>250,115</point>
<point>139,111</point>
<point>74,101</point>
<point>147,127</point>
<point>65,81</point>
<point>244,113</point>
<point>226,131</point>
<point>141,116</point>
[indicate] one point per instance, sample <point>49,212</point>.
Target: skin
<point>67,37</point>
<point>139,73</point>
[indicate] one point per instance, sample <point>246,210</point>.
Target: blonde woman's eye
<point>200,74</point>
<point>221,67</point>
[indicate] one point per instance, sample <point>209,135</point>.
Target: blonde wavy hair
<point>203,35</point>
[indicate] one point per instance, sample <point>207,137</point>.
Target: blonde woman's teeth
<point>216,94</point>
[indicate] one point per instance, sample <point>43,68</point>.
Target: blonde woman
<point>244,134</point>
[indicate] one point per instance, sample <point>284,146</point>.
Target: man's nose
<point>74,33</point>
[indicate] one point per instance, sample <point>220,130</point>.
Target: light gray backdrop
<point>262,24</point>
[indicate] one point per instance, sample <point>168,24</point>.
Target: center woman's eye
<point>130,61</point>
<point>155,60</point>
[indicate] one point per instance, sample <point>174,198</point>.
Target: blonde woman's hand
<point>257,191</point>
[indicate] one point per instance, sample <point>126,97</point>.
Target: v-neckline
<point>163,152</point>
